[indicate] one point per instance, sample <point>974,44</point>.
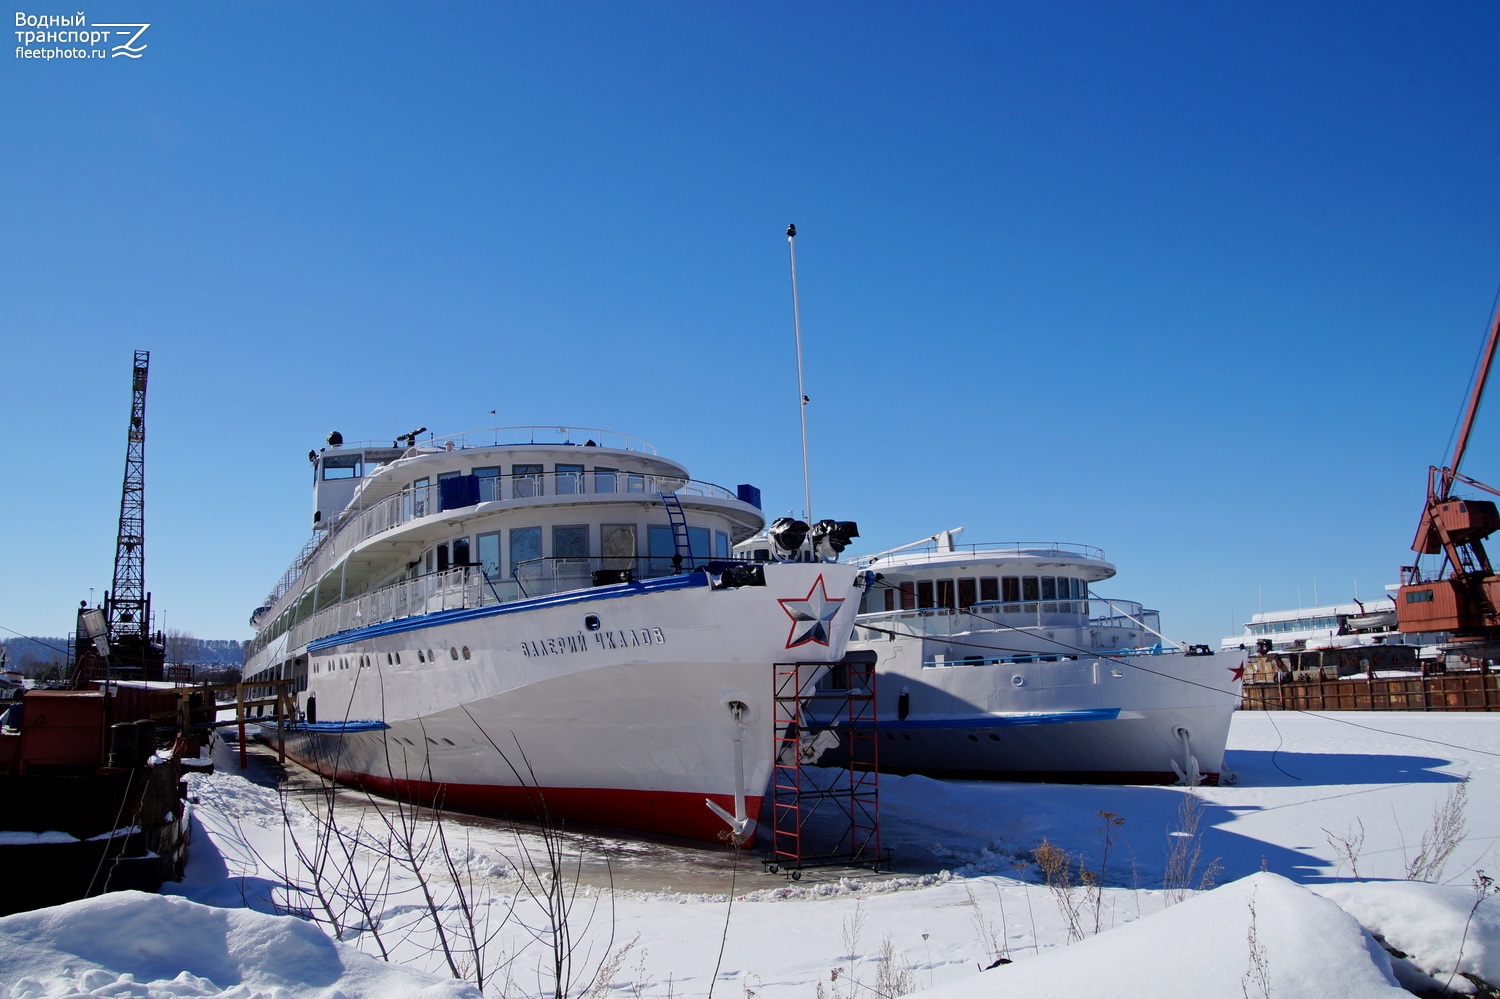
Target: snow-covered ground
<point>1309,851</point>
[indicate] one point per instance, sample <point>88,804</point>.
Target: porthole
<point>398,659</point>
<point>1018,680</point>
<point>453,653</point>
<point>388,659</point>
<point>591,622</point>
<point>973,737</point>
<point>994,737</point>
<point>420,657</point>
<point>905,737</point>
<point>431,656</point>
<point>890,736</point>
<point>466,653</point>
<point>449,741</point>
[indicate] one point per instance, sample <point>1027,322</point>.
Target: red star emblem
<point>810,615</point>
<point>1238,671</point>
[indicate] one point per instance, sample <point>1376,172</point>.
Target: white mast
<point>791,245</point>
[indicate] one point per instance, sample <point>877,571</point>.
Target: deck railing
<point>357,525</point>
<point>465,587</point>
<point>1025,615</point>
<point>931,551</point>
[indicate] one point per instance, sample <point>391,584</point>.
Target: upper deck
<point>941,553</point>
<point>375,506</point>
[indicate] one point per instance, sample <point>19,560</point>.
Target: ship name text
<point>622,638</point>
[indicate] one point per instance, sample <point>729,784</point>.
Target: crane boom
<point>1463,599</point>
<point>128,603</point>
<point>1472,409</point>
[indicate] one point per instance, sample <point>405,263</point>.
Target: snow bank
<point>157,947</point>
<point>1311,948</point>
<point>1429,923</point>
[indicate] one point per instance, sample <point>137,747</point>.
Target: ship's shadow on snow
<point>1279,768</point>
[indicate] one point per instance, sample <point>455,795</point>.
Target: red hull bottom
<point>668,813</point>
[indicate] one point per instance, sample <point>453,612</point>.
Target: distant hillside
<point>35,653</point>
<point>30,654</point>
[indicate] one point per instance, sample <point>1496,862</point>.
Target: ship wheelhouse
<point>1004,590</point>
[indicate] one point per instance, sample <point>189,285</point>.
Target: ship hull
<point>1149,718</point>
<point>630,705</point>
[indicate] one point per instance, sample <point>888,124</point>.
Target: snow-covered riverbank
<point>1319,799</point>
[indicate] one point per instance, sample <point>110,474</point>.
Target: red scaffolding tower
<point>825,815</point>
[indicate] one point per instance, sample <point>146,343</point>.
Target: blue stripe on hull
<point>969,723</point>
<point>439,618</point>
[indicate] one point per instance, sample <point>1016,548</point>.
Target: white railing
<point>454,589</point>
<point>930,551</point>
<point>1026,614</point>
<point>495,436</point>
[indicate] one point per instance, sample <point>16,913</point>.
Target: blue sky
<point>1200,284</point>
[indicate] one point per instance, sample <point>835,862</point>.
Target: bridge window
<point>569,479</point>
<point>661,547</point>
<point>571,541</point>
<point>489,553</point>
<point>489,483</point>
<point>966,593</point>
<point>908,596</point>
<point>527,480</point>
<point>989,589</point>
<point>1419,597</point>
<point>617,545</point>
<point>525,545</point>
<point>924,593</point>
<point>945,593</point>
<point>1010,589</point>
<point>605,480</point>
<point>342,466</point>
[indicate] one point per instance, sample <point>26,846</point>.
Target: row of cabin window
<point>527,480</point>
<point>569,477</point>
<point>391,659</point>
<point>965,592</point>
<point>1296,624</point>
<point>571,541</point>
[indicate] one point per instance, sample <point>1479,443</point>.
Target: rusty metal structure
<point>129,649</point>
<point>1463,597</point>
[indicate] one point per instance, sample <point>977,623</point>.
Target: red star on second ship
<point>811,614</point>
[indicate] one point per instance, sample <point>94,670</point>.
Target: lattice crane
<point>125,623</point>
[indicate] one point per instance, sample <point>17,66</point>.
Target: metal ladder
<point>678,520</point>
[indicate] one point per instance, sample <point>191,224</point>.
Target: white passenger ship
<point>1001,662</point>
<point>545,622</point>
<point>1329,626</point>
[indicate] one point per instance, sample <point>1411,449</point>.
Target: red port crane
<point>1463,597</point>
